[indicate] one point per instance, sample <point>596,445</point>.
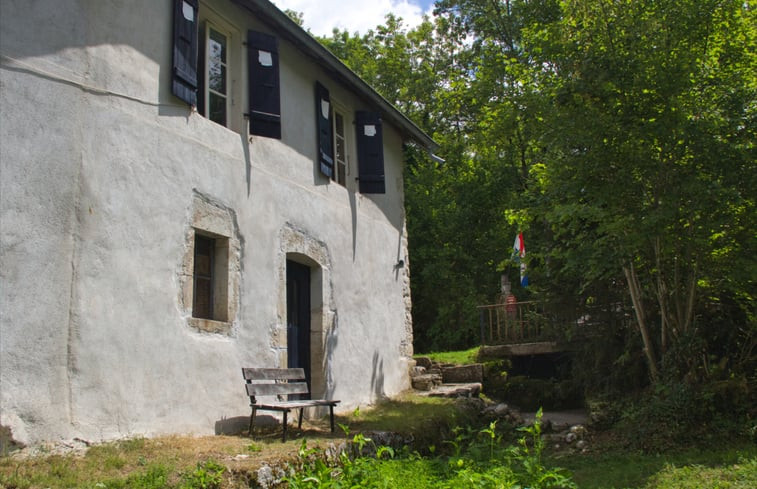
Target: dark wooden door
<point>298,317</point>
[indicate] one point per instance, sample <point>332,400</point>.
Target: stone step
<point>469,390</point>
<point>463,374</point>
<point>426,382</point>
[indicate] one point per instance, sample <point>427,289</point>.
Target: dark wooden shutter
<point>263,66</point>
<point>323,119</point>
<point>184,75</point>
<point>370,152</point>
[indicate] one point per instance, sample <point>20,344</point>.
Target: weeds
<point>477,459</point>
<point>207,475</point>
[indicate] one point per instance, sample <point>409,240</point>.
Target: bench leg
<point>284,438</point>
<point>252,420</point>
<point>299,423</point>
<point>331,413</point>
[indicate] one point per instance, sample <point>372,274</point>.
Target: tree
<point>618,133</point>
<point>651,157</point>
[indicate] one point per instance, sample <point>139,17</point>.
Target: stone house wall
<point>106,179</point>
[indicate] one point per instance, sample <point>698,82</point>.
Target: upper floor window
<point>215,92</point>
<point>207,63</point>
<point>340,148</point>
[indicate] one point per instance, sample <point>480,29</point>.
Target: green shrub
<point>673,414</point>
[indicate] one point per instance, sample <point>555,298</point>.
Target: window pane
<point>339,124</point>
<point>217,106</point>
<point>203,306</point>
<point>340,149</point>
<point>203,253</point>
<point>217,46</point>
<point>202,301</point>
<point>217,77</point>
<point>217,62</point>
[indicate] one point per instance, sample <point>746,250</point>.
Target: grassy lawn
<point>224,462</point>
<point>688,468</point>
<point>457,357</point>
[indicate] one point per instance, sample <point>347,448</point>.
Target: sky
<point>321,16</point>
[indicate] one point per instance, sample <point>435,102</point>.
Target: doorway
<point>298,316</point>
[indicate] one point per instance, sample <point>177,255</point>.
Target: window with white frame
<point>216,89</point>
<point>216,72</point>
<point>340,147</point>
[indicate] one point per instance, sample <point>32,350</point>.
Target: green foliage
<point>207,475</point>
<point>155,477</point>
<point>677,414</point>
<point>479,459</point>
<point>619,136</point>
<point>632,469</point>
<point>742,475</point>
<point>649,126</point>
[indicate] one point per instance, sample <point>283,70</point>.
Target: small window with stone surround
<point>210,271</point>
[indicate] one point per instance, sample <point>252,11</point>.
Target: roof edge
<point>270,14</point>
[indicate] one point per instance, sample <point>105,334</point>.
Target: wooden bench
<point>282,383</point>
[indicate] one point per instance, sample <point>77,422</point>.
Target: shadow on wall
<point>377,378</point>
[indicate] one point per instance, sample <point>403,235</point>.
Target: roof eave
<point>270,14</point>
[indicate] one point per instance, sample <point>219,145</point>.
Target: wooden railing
<point>532,321</point>
<point>513,323</point>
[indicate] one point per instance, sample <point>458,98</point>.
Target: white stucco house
<point>189,187</point>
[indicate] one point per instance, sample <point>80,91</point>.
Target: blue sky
<point>355,15</point>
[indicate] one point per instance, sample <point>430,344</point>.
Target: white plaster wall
<point>98,168</point>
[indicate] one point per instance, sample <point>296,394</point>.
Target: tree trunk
<point>635,290</point>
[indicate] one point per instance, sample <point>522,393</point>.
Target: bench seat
<point>281,383</point>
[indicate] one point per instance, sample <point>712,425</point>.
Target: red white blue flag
<point>519,253</point>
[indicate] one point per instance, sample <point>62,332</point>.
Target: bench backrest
<point>274,381</point>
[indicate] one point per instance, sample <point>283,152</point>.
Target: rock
<point>457,390</point>
<point>579,430</point>
<point>570,438</point>
<point>426,382</point>
<point>582,444</point>
<point>424,362</point>
<point>269,477</point>
<point>417,371</point>
<point>463,374</point>
<point>501,410</point>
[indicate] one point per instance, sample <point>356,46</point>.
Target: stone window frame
<point>210,218</point>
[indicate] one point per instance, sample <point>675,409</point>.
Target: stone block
<point>426,382</point>
<point>423,362</point>
<point>417,371</point>
<point>463,374</point>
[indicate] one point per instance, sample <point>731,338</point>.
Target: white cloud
<point>321,16</point>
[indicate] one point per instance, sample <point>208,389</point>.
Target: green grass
<point>183,462</point>
<point>615,469</point>
<point>457,357</point>
<point>742,475</point>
